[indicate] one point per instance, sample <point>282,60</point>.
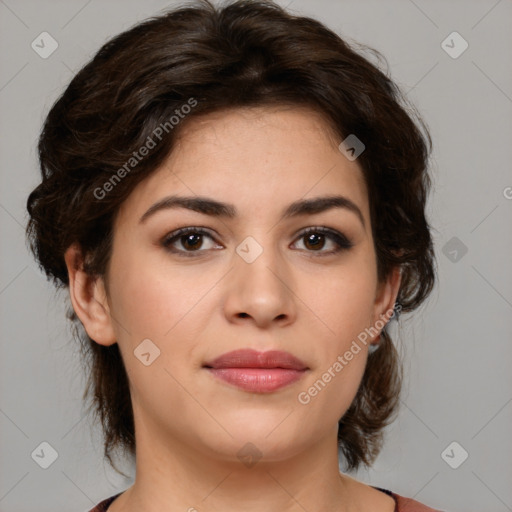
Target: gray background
<point>457,349</point>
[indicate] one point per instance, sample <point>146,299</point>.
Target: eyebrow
<point>215,208</point>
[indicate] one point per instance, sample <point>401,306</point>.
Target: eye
<point>191,240</point>
<point>315,239</point>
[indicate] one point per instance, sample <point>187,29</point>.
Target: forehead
<point>258,158</point>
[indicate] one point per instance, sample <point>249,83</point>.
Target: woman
<point>235,199</point>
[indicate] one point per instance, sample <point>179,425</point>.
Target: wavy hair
<point>243,53</point>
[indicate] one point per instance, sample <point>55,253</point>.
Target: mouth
<point>257,372</point>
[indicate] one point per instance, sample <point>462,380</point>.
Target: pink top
<point>402,504</point>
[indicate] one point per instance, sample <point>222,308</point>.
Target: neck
<point>180,476</point>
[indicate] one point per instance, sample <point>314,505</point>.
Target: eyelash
<point>342,242</point>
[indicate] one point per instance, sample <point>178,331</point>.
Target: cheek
<point>341,303</point>
<point>149,299</point>
<point>153,304</point>
<point>341,312</point>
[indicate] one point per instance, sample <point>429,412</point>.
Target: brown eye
<point>192,241</point>
<point>315,239</point>
<point>187,241</point>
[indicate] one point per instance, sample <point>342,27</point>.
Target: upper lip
<point>249,358</point>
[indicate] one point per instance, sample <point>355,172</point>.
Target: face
<point>246,276</point>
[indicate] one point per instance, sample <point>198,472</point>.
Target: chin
<point>254,441</point>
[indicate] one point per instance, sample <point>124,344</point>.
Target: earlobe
<point>89,299</point>
<point>385,299</point>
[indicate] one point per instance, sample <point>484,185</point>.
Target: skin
<point>293,297</point>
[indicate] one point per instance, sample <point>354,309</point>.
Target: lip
<point>255,371</point>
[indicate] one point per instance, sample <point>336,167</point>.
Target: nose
<point>260,291</point>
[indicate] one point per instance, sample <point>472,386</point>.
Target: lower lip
<point>260,380</point>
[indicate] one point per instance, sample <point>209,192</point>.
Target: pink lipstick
<point>259,372</point>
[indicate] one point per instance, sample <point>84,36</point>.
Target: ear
<point>89,299</point>
<point>385,299</point>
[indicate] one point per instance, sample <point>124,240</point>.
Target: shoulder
<point>103,505</point>
<point>404,504</point>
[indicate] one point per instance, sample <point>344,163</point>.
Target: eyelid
<point>342,242</point>
<point>177,233</point>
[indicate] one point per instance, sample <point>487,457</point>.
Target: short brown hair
<point>244,53</point>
